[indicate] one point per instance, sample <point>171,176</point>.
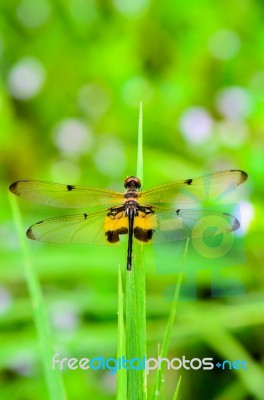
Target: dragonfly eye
<point>132,183</point>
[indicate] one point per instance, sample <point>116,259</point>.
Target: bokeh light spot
<point>73,137</point>
<point>5,300</point>
<point>64,316</point>
<point>26,78</point>
<point>247,214</point>
<point>65,171</point>
<point>224,44</point>
<point>110,157</point>
<point>23,363</point>
<point>196,125</point>
<point>33,13</point>
<point>234,102</point>
<point>93,100</point>
<point>232,133</point>
<point>131,7</point>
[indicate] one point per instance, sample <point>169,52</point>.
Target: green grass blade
<point>136,325</point>
<point>229,348</point>
<point>53,377</point>
<point>140,145</point>
<point>177,389</point>
<point>136,304</point>
<point>121,393</point>
<point>167,337</point>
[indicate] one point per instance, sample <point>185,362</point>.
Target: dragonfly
<point>168,212</point>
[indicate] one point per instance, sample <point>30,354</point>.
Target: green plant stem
<point>177,389</point>
<point>140,145</point>
<point>121,393</point>
<point>136,325</point>
<point>169,329</point>
<point>136,303</point>
<point>53,377</point>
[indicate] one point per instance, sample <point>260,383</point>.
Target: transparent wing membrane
<point>167,225</point>
<point>166,213</point>
<point>183,224</point>
<point>192,191</point>
<point>82,228</point>
<point>65,196</point>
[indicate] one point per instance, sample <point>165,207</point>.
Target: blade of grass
<point>136,305</point>
<point>140,145</point>
<point>177,389</point>
<point>136,326</point>
<point>53,377</point>
<point>121,393</point>
<point>229,348</point>
<point>168,333</point>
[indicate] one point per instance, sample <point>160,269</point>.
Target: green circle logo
<point>221,231</point>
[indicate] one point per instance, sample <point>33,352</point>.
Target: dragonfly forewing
<point>190,192</point>
<point>65,196</point>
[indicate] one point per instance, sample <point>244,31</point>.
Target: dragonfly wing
<point>65,196</point>
<point>94,228</point>
<point>192,191</point>
<point>182,224</point>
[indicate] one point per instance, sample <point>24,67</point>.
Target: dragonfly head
<point>132,182</point>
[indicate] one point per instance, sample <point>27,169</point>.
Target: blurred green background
<point>72,75</point>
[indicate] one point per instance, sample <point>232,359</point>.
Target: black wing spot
<point>188,181</point>
<point>85,215</point>
<point>113,236</point>
<point>235,223</point>
<point>71,187</point>
<point>144,235</point>
<point>30,234</point>
<point>13,187</point>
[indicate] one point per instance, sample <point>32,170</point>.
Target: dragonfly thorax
<point>131,206</point>
<point>131,195</point>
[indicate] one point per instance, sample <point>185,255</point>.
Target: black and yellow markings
<point>113,236</point>
<point>144,226</point>
<point>116,224</point>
